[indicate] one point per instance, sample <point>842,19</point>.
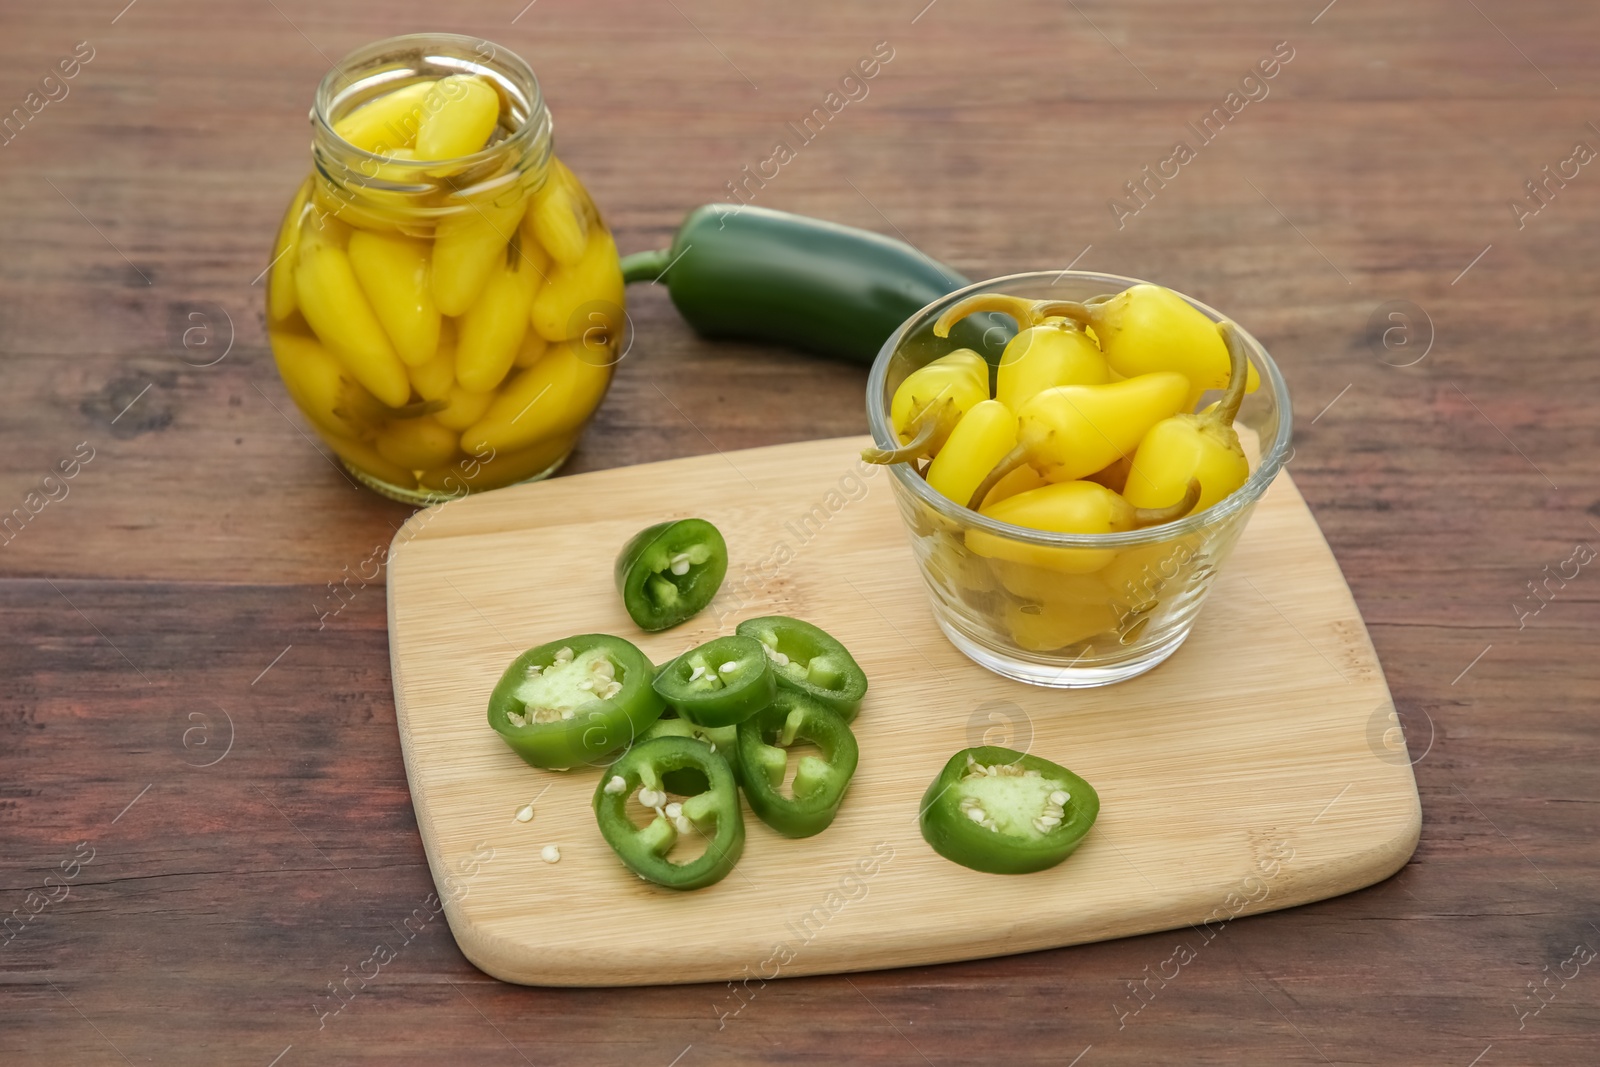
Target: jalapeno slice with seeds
<point>819,783</point>
<point>1003,812</point>
<point>723,740</point>
<point>809,660</point>
<point>720,683</point>
<point>667,572</point>
<point>574,701</point>
<point>712,812</point>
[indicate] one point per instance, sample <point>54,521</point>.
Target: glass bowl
<point>1117,610</point>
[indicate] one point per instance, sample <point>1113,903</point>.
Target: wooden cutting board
<point>1259,768</point>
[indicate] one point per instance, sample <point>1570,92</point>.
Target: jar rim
<point>1273,455</point>
<point>461,54</point>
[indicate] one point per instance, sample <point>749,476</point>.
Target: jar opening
<point>518,151</point>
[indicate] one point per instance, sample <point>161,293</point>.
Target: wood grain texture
<point>198,544</point>
<point>1244,774</point>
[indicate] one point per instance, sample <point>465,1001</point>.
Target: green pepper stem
<point>1008,463</point>
<point>1081,313</point>
<point>927,425</point>
<point>417,410</point>
<point>1238,374</point>
<point>1018,308</point>
<point>646,266</point>
<point>1143,517</point>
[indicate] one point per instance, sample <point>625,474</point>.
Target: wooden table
<point>172,701</point>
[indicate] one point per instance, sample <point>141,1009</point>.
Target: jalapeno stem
<point>1238,373</point>
<point>1008,463</point>
<point>1024,311</point>
<point>1143,517</point>
<point>927,425</point>
<point>648,266</point>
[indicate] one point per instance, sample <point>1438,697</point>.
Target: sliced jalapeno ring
<point>642,773</point>
<point>574,701</point>
<point>668,572</point>
<point>809,660</point>
<point>1000,811</point>
<point>720,683</point>
<point>819,783</point>
<point>724,741</point>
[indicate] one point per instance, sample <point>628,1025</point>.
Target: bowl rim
<point>1273,456</point>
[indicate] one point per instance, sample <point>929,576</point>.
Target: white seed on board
<point>526,814</point>
<point>616,785</point>
<point>550,854</point>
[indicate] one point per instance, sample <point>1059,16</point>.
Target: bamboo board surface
<point>1250,772</point>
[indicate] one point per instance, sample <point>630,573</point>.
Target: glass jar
<point>449,323</point>
<point>1069,610</point>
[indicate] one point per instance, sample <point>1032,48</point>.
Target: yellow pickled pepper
<point>387,122</point>
<point>1048,626</point>
<point>323,389</point>
<point>1203,447</point>
<point>434,378</point>
<point>929,402</point>
<point>286,251</point>
<point>1149,328</point>
<point>337,310</point>
<point>1071,508</point>
<point>556,217</point>
<point>980,439</point>
<point>1046,352</point>
<point>1070,431</point>
<point>550,398</point>
<point>417,444</point>
<point>538,260</point>
<point>533,348</point>
<point>1044,356</point>
<point>584,297</point>
<point>492,330</point>
<point>459,114</point>
<point>396,274</point>
<point>462,408</point>
<point>466,246</point>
